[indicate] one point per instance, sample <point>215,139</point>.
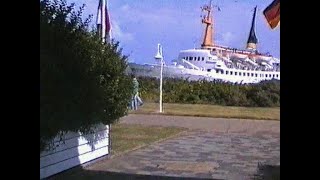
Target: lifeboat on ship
<point>263,57</point>
<point>239,56</point>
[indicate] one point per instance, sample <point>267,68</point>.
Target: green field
<point>203,110</point>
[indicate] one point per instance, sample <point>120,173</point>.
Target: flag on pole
<point>108,23</point>
<point>272,14</point>
<point>103,21</point>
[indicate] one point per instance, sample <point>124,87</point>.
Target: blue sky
<point>140,25</point>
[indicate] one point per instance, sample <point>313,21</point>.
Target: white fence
<point>74,149</point>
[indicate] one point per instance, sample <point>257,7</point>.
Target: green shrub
<point>264,94</point>
<point>82,81</point>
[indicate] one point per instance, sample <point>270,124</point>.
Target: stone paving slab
<point>200,154</point>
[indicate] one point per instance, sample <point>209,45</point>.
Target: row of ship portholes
<point>195,58</point>
<point>248,74</point>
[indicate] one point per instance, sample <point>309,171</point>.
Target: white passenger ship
<point>214,62</point>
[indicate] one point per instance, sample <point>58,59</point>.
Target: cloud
<point>119,34</point>
<point>125,7</point>
<point>227,37</point>
<point>161,16</point>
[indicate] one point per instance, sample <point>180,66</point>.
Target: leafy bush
<point>264,94</point>
<point>82,81</point>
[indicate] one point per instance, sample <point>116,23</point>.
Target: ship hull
<point>237,76</point>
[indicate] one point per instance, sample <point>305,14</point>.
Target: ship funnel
<point>252,39</point>
<point>159,56</point>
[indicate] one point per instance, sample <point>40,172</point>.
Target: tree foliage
<point>82,81</point>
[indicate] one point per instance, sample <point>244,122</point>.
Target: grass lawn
<point>126,137</point>
<point>204,110</point>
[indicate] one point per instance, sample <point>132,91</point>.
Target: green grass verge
<point>204,110</point>
<point>126,137</point>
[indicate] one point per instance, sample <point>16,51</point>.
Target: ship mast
<point>208,21</point>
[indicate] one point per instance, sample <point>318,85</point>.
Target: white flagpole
<point>103,20</point>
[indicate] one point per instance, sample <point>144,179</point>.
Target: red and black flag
<point>272,14</point>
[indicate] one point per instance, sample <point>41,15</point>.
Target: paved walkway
<point>213,148</point>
